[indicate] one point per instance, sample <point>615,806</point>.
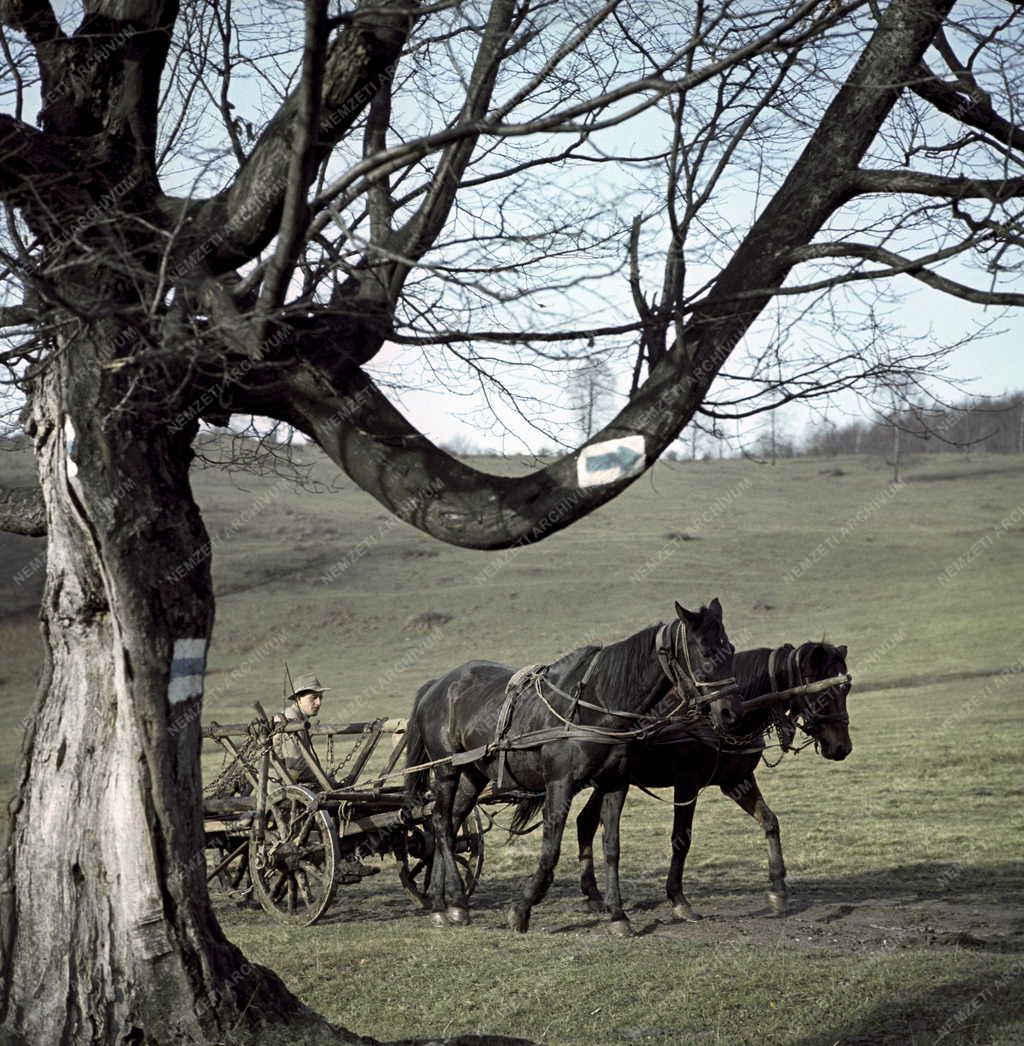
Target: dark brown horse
<point>604,693</point>
<point>676,756</point>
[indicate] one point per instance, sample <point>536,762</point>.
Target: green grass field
<point>905,861</point>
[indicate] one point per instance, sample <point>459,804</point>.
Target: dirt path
<point>827,925</point>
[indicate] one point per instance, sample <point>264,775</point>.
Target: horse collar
<point>785,658</point>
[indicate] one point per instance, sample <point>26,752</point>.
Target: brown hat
<point>305,684</point>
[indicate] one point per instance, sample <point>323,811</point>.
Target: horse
<point>573,730</point>
<point>689,759</point>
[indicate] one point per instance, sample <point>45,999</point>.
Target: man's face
<point>309,703</point>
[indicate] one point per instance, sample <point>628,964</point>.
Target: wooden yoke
<point>806,690</point>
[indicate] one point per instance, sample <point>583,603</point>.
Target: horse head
<point>823,716</point>
<point>708,654</point>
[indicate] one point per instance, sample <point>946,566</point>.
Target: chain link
<point>231,779</point>
<point>357,745</point>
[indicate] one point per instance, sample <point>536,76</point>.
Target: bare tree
<point>459,177</point>
<point>591,384</point>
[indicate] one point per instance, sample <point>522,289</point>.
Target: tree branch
<point>974,108</point>
<point>34,18</point>
<point>418,234</point>
<point>22,511</point>
<point>30,164</point>
<point>302,165</point>
<point>245,216</point>
<point>17,315</point>
<point>906,266</point>
<point>375,445</point>
<point>898,180</point>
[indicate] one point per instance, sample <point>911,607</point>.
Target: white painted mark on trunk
<point>188,665</point>
<point>612,460</point>
<point>70,445</point>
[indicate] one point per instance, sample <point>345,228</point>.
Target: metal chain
<point>359,742</point>
<point>232,777</point>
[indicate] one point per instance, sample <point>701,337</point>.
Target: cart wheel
<point>227,868</point>
<point>417,857</point>
<point>293,866</point>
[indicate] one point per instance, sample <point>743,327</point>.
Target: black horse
<point>679,756</point>
<point>604,692</point>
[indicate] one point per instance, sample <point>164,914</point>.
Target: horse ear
<point>685,615</point>
<point>842,651</point>
<point>716,608</point>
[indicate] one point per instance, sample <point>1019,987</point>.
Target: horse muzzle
<point>725,711</point>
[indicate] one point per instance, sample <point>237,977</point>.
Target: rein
<point>669,659</point>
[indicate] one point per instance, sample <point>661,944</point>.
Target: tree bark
<point>22,511</point>
<point>108,934</point>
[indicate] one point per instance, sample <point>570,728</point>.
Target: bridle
<point>784,672</point>
<point>670,639</point>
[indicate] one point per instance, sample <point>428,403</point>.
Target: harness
<point>667,645</point>
<point>669,641</point>
<point>811,720</point>
<point>784,673</point>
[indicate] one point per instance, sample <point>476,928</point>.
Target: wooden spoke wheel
<point>417,857</point>
<point>294,866</point>
<point>227,868</point>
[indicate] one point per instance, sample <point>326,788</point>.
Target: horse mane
<point>751,670</point>
<point>624,663</point>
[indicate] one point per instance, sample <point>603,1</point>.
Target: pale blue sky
<point>986,367</point>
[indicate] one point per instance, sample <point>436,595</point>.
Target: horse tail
<point>526,810</point>
<point>418,782</point>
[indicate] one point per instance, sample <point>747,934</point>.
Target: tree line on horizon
<point>994,424</point>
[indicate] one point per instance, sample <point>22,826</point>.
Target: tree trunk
<point>897,450</point>
<point>108,935</point>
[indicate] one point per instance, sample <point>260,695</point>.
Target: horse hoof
<point>621,928</point>
<point>596,906</point>
<point>778,902</point>
<point>683,913</point>
<point>438,919</point>
<point>457,916</point>
<point>518,921</point>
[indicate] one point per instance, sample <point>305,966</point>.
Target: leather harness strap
<point>515,686</point>
<point>781,657</point>
<point>684,682</point>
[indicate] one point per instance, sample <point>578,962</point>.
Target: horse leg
<point>447,899</point>
<point>682,834</point>
<point>748,796</point>
<point>556,810</point>
<point>611,813</point>
<point>586,828</point>
<point>465,799</point>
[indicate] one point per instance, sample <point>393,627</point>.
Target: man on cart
<point>304,705</point>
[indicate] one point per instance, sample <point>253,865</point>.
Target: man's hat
<point>306,684</point>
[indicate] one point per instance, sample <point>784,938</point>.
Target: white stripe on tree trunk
<point>188,666</point>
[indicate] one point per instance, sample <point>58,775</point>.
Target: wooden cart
<point>288,845</point>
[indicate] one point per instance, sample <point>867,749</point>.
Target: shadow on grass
<point>991,882</point>
<point>969,1010</point>
<point>993,886</point>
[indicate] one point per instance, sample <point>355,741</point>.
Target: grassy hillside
<point>905,859</point>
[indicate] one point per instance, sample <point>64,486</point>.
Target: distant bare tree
<point>474,181</point>
<point>591,386</point>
